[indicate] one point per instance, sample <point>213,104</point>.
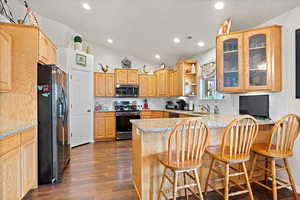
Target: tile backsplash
<point>154,103</point>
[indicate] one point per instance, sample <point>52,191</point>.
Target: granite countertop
<point>166,124</point>
<point>9,127</point>
<point>164,110</point>
<point>97,111</point>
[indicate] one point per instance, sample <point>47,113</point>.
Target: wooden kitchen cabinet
<point>110,84</point>
<point>186,78</point>
<point>47,50</point>
<point>10,173</point>
<point>18,164</point>
<point>172,91</point>
<point>143,85</point>
<point>262,50</point>
<point>132,77</point>
<point>5,61</point>
<point>104,126</point>
<point>152,114</point>
<point>126,76</point>
<point>104,84</point>
<point>152,86</point>
<point>28,161</point>
<point>230,61</point>
<point>163,82</point>
<point>147,85</point>
<point>249,60</point>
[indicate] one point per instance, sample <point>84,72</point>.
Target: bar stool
<point>235,148</point>
<point>279,147</point>
<point>186,146</point>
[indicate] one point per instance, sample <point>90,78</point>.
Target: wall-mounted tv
<point>298,64</point>
<point>255,105</point>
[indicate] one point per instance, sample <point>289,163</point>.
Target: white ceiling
<point>143,28</point>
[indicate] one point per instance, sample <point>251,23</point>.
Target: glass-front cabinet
<point>249,60</point>
<point>230,61</point>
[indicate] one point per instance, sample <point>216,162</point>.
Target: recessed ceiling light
<point>86,6</point>
<point>157,56</point>
<point>176,40</point>
<point>201,44</point>
<point>109,40</point>
<point>219,5</point>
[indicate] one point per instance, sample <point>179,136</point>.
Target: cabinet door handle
<point>89,110</point>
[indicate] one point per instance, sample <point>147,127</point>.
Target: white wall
<point>283,102</point>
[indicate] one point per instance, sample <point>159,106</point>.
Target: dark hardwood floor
<point>102,171</point>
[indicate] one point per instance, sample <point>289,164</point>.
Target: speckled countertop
<point>162,110</point>
<point>9,127</point>
<point>165,124</point>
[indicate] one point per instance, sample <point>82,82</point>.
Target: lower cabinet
<point>152,114</point>
<point>18,164</point>
<point>105,126</point>
<point>29,164</point>
<point>10,170</point>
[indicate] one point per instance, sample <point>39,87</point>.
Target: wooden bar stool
<point>186,146</point>
<point>235,149</point>
<point>279,147</point>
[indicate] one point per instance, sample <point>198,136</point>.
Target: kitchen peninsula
<point>150,137</point>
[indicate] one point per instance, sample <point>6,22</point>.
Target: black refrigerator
<point>53,124</point>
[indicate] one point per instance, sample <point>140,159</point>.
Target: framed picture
<point>81,59</point>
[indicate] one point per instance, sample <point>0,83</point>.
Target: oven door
<point>127,90</point>
<point>123,125</point>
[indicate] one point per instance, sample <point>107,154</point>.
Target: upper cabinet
<point>249,60</point>
<point>127,76</point>
<point>230,63</point>
<point>5,61</point>
<point>186,78</point>
<point>47,51</point>
<point>163,82</point>
<point>104,84</point>
<point>147,85</point>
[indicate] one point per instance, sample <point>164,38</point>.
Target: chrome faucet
<point>205,108</point>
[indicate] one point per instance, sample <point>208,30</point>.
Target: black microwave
<point>127,91</point>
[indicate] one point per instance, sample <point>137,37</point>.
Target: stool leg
<point>198,184</point>
<point>226,185</point>
<point>162,183</point>
<point>253,166</point>
<point>274,182</point>
<point>266,172</point>
<point>208,176</point>
<point>175,185</point>
<point>247,181</point>
<point>185,190</point>
<point>288,169</point>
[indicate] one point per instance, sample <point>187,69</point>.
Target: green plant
<point>77,39</point>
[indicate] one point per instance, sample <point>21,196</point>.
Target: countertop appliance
<point>127,90</point>
<point>53,124</point>
<point>181,104</point>
<point>125,111</point>
<point>171,105</point>
<point>255,105</point>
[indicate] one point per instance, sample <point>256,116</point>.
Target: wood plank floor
<point>102,171</point>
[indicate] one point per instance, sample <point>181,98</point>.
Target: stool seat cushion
<point>262,149</point>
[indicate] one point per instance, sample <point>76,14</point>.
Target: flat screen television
<point>256,105</point>
<point>298,64</point>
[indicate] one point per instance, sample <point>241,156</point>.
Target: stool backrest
<point>284,134</point>
<point>188,141</point>
<point>239,137</point>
